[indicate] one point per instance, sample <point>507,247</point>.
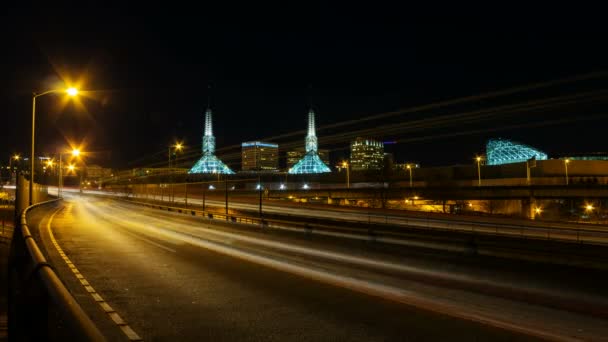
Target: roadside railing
<point>379,228</point>
<point>40,306</point>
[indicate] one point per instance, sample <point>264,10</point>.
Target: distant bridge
<point>587,191</point>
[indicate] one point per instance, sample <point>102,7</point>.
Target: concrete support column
<point>531,208</point>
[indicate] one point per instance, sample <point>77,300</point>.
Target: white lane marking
<point>124,327</point>
<point>358,285</point>
<point>371,288</point>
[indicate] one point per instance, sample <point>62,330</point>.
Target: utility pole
<point>226,193</point>
<point>260,192</point>
<point>204,192</point>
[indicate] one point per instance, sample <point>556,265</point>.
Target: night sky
<point>148,77</point>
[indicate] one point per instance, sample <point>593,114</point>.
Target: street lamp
<point>70,92</point>
<point>10,165</point>
<point>345,165</point>
<point>178,147</point>
<point>75,153</point>
<point>478,171</point>
<point>10,160</point>
<point>409,168</point>
<point>566,162</point>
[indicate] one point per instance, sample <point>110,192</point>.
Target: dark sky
<point>148,73</point>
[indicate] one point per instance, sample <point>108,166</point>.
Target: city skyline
<point>148,80</point>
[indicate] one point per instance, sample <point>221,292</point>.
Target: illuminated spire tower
<point>208,138</point>
<point>310,163</point>
<point>209,163</point>
<point>311,138</point>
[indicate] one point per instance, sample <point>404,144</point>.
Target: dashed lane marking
<point>124,327</point>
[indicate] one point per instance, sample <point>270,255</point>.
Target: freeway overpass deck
<point>454,193</point>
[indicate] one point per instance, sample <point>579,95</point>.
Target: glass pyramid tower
<point>310,163</point>
<point>209,163</point>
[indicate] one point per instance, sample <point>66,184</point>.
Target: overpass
<point>586,191</point>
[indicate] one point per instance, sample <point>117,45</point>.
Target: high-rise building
<point>366,154</point>
<point>310,163</point>
<point>296,154</point>
<point>209,163</point>
<point>260,156</point>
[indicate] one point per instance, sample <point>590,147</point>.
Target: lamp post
<point>75,153</point>
<point>260,194</point>
<point>71,168</point>
<point>49,165</point>
<point>409,168</point>
<point>10,161</point>
<point>10,166</point>
<point>345,165</point>
<point>478,171</point>
<point>70,92</point>
<point>178,147</point>
<point>566,162</point>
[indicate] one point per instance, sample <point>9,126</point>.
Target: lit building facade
<point>296,154</point>
<point>209,163</point>
<point>310,163</point>
<point>260,156</point>
<point>587,156</point>
<point>366,154</point>
<point>501,151</point>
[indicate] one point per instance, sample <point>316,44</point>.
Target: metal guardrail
<point>40,306</point>
<point>375,229</point>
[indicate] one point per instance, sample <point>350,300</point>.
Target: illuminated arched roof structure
<point>502,151</point>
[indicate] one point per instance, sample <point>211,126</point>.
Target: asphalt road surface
<point>560,231</point>
<point>161,276</point>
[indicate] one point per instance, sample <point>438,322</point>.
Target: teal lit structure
<point>209,163</point>
<point>501,151</point>
<point>310,163</point>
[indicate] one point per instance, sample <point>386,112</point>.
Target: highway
<point>157,275</point>
<point>569,232</point>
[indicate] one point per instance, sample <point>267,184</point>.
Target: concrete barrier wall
<point>22,194</point>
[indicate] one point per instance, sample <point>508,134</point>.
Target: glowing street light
<point>409,168</point>
<point>538,210</point>
<point>75,153</point>
<point>10,161</point>
<point>178,147</point>
<point>566,162</point>
<point>70,92</point>
<point>345,164</point>
<point>478,171</point>
<point>589,208</point>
